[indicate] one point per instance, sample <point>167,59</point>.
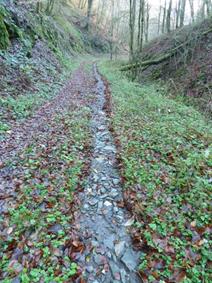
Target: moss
<point>8,29</point>
<point>4,35</point>
<point>156,74</point>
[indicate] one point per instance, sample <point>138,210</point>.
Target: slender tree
<point>191,2</point>
<point>168,17</point>
<point>82,4</point>
<point>208,4</point>
<point>112,29</point>
<point>147,22</point>
<point>182,13</point>
<point>141,20</point>
<point>89,9</point>
<point>132,27</point>
<point>159,19</point>
<point>164,18</point>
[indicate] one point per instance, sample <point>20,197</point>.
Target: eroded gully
<point>108,255</point>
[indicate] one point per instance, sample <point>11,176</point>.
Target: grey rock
<point>114,269</point>
<point>100,204</point>
<point>123,276</point>
<point>109,255</point>
<point>119,218</point>
<point>109,241</point>
<point>116,181</point>
<point>100,250</point>
<point>119,248</point>
<point>103,196</point>
<point>94,243</point>
<point>86,206</point>
<point>98,259</point>
<point>114,193</point>
<point>102,127</point>
<point>89,269</point>
<point>103,190</point>
<point>95,177</point>
<point>115,209</point>
<point>130,259</point>
<point>100,159</point>
<point>93,202</point>
<point>110,148</point>
<point>107,203</point>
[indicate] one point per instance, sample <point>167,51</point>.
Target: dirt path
<point>39,124</point>
<point>38,130</point>
<point>100,224</point>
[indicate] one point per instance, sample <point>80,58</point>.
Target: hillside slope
<point>37,52</point>
<point>183,59</point>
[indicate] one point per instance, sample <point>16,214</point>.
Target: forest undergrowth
<point>164,158</point>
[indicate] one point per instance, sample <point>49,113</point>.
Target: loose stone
<point>107,203</point>
<point>93,202</point>
<point>105,259</point>
<point>129,260</point>
<point>119,248</point>
<point>89,269</point>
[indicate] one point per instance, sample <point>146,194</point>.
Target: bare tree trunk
<point>182,13</point>
<point>159,18</point>
<point>192,9</point>
<point>164,18</point>
<point>132,27</point>
<point>90,4</point>
<point>147,22</point>
<point>112,30</point>
<point>203,10</point>
<point>168,17</point>
<point>81,4</point>
<point>140,25</point>
<point>208,5</point>
<point>178,14</point>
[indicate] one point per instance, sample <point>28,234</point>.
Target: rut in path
<point>108,256</point>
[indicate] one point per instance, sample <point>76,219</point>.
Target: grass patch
<point>165,151</point>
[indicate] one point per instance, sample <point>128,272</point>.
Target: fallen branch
<point>156,61</point>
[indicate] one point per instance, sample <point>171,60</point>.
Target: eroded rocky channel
<point>108,255</point>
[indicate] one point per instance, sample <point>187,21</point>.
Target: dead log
<point>145,64</point>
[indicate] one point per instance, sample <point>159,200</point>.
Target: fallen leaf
<point>9,230</point>
<point>193,223</point>
<point>129,222</point>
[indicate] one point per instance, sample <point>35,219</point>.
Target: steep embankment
<point>182,60</point>
<point>37,52</point>
<point>164,153</point>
